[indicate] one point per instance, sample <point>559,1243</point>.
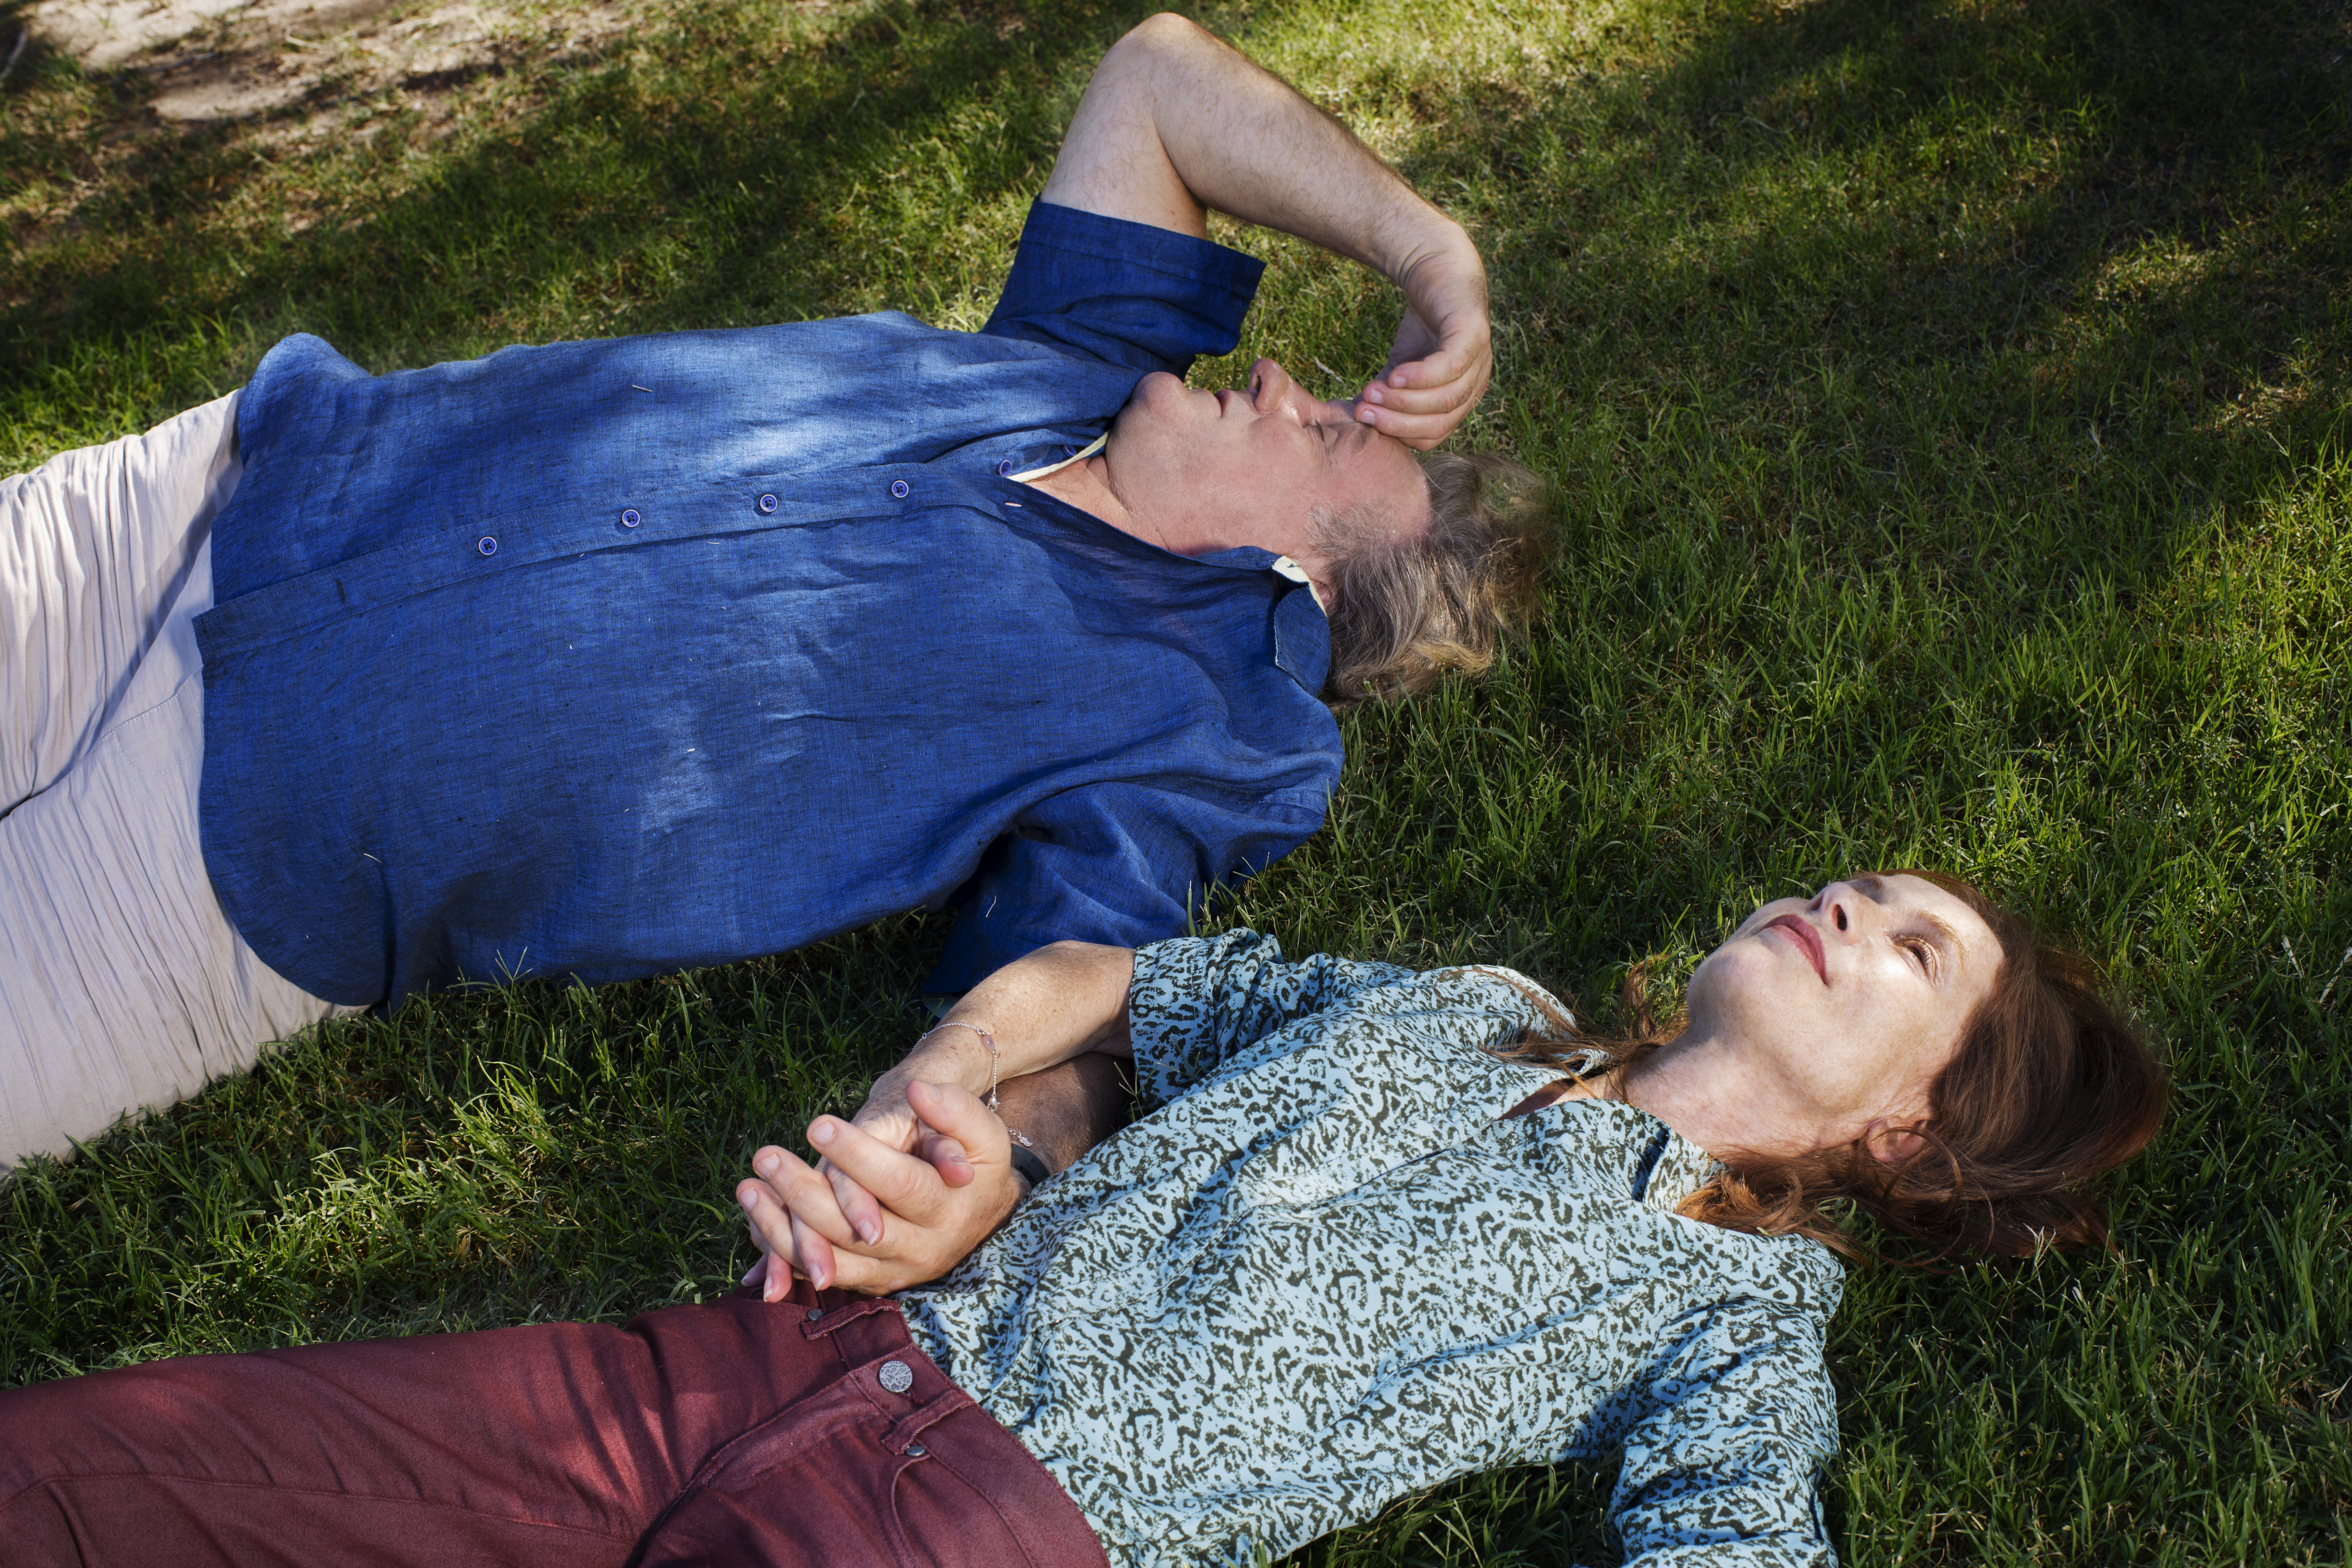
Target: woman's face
<point>1840,1010</point>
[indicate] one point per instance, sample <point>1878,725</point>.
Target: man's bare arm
<point>1175,122</point>
<point>1065,1110</point>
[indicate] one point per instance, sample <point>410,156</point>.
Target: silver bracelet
<point>985,1038</point>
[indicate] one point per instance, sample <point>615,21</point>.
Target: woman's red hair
<point>2048,1089</point>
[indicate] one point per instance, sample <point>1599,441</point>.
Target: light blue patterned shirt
<point>1324,1272</point>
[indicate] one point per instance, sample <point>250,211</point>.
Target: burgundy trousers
<point>811,1431</point>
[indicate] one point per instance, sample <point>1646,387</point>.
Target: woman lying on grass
<point>1380,1229</point>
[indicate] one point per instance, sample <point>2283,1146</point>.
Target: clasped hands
<point>907,1189</point>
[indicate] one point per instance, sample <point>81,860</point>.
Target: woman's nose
<point>1838,905</point>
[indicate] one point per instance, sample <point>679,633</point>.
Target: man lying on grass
<point>603,659</point>
<point>1378,1229</point>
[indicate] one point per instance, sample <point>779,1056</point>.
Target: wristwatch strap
<point>1029,1165</point>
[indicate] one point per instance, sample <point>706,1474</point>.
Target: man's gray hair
<point>1412,610</point>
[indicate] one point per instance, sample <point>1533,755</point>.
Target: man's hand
<point>1444,355</point>
<point>1175,123</point>
<point>926,1227</point>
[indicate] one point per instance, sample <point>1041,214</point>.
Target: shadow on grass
<point>2083,326</point>
<point>536,1152</point>
<point>733,142</point>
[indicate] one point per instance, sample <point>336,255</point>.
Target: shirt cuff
<point>1127,294</point>
<point>1168,1002</point>
<point>1126,244</point>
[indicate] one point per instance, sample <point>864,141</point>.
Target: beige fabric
<point>1031,476</point>
<point>122,985</point>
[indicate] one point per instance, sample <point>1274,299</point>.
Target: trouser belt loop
<point>843,1316</point>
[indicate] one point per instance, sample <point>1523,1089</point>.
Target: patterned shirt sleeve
<point>1198,1002</point>
<point>1723,1468</point>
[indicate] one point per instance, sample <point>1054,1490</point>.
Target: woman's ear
<point>1890,1144</point>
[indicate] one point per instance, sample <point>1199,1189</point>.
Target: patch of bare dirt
<point>240,60</point>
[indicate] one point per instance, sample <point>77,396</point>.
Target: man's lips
<point>1806,937</point>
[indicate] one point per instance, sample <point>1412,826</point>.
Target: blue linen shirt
<point>1327,1272</point>
<point>610,659</point>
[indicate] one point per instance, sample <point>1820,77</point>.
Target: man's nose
<point>1270,386</point>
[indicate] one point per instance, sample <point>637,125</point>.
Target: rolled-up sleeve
<point>1199,1002</point>
<point>1125,293</point>
<point>1724,1468</point>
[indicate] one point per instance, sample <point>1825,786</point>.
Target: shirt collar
<point>1284,567</point>
<point>1675,1170</point>
<point>1281,566</point>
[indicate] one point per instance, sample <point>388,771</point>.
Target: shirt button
<point>914,1450</point>
<point>897,1376</point>
<point>630,519</point>
<point>898,488</point>
<point>816,1312</point>
<point>1004,467</point>
<point>487,545</point>
<point>767,503</point>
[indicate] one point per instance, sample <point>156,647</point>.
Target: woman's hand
<point>925,1225</point>
<point>889,1120</point>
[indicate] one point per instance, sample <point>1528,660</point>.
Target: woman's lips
<point>1805,937</point>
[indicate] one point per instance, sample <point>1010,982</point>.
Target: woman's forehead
<point>1901,889</point>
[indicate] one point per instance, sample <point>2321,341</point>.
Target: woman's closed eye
<point>1922,951</point>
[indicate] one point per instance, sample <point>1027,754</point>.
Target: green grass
<point>1950,405</point>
